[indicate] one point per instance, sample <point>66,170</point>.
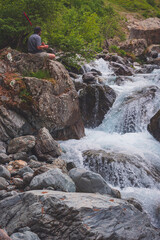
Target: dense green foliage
<point>79,26</point>
<point>148,8</point>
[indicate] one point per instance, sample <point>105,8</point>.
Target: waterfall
<point>131,156</point>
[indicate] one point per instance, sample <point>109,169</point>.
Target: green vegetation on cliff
<point>79,26</point>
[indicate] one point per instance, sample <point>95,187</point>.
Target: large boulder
<point>154,126</point>
<point>90,182</point>
<point>51,103</point>
<point>148,29</point>
<point>122,170</point>
<point>95,100</point>
<point>59,215</point>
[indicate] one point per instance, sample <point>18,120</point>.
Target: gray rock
<point>27,235</point>
<point>18,182</point>
<point>89,77</point>
<point>20,156</point>
<point>3,147</point>
<point>34,164</point>
<point>4,158</point>
<point>46,147</point>
<point>25,170</point>
<point>53,178</point>
<point>90,182</point>
<point>21,144</point>
<point>3,183</point>
<point>72,216</point>
<point>120,69</point>
<point>4,194</point>
<point>27,177</point>
<point>11,124</point>
<point>33,157</point>
<point>4,173</point>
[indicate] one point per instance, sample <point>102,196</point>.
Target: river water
<point>124,130</point>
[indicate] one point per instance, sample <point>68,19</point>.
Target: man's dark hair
<point>37,30</point>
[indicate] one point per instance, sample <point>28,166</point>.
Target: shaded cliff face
<point>29,103</point>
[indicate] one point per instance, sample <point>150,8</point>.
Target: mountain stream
<point>124,131</point>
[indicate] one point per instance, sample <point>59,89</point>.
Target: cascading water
<point>136,167</point>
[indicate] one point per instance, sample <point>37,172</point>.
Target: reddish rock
<point>3,235</point>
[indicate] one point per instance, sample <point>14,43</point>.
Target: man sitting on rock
<point>35,46</point>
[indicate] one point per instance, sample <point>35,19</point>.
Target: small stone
<point>33,157</point>
<point>20,156</point>
<point>3,183</point>
<point>4,173</point>
<point>18,182</point>
<point>25,170</point>
<point>27,177</point>
<point>34,164</point>
<point>4,158</point>
<point>16,165</point>
<point>2,147</point>
<point>70,165</point>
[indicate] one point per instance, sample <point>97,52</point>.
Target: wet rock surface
<point>121,169</point>
<point>56,215</point>
<point>154,126</point>
<point>95,101</point>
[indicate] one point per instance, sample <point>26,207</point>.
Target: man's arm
<point>42,47</point>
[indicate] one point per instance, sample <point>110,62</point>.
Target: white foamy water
<point>124,130</point>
